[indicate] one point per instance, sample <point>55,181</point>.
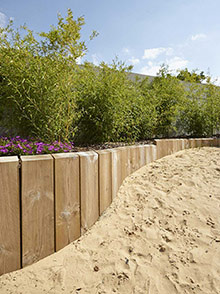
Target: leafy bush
<point>45,94</point>
<point>111,106</point>
<point>167,96</point>
<point>38,78</point>
<point>200,110</point>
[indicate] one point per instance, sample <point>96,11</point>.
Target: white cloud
<point>198,37</point>
<point>150,70</point>
<point>3,19</point>
<point>134,60</point>
<point>153,53</point>
<point>176,63</point>
<point>169,51</point>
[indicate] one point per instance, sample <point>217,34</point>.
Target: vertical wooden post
<point>170,146</point>
<point>88,189</point>
<point>67,206</point>
<point>116,171</point>
<point>37,197</point>
<point>129,168</point>
<point>141,156</point>
<point>151,153</point>
<point>198,142</point>
<point>174,145</point>
<point>178,145</point>
<point>184,144</point>
<point>154,152</point>
<point>192,143</point>
<point>207,142</point>
<point>133,158</point>
<point>216,142</point>
<point>9,215</point>
<point>148,154</point>
<point>162,148</point>
<point>125,162</point>
<point>105,179</point>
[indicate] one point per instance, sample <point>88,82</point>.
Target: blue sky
<point>144,33</point>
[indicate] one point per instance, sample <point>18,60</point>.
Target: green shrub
<point>167,95</point>
<point>110,105</point>
<point>200,110</point>
<point>38,78</point>
<point>45,94</point>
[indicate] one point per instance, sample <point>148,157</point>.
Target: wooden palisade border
<point>48,201</point>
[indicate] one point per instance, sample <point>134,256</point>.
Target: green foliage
<point>110,105</point>
<point>45,94</point>
<point>38,78</point>
<point>192,77</point>
<point>212,110</point>
<point>167,93</point>
<point>147,118</point>
<point>64,40</point>
<point>200,113</point>
<point>192,116</point>
<point>38,91</point>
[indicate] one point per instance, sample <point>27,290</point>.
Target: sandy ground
<point>161,235</point>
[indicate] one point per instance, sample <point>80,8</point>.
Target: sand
<point>160,235</point>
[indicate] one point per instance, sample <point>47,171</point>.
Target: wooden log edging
<point>37,207</point>
<point>10,242</point>
<point>67,198</point>
<point>48,201</point>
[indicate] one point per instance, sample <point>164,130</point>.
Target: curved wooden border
<point>48,201</point>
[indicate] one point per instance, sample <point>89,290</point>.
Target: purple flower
<point>7,145</point>
<point>4,150</point>
<point>18,145</point>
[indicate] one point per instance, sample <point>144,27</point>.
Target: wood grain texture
<point>67,200</point>
<point>88,189</point>
<point>37,207</point>
<point>185,144</point>
<point>192,143</point>
<point>216,142</point>
<point>148,154</point>
<point>198,142</point>
<point>170,146</point>
<point>177,145</point>
<point>134,158</point>
<point>207,142</point>
<point>116,171</point>
<point>162,148</point>
<point>105,179</point>
<point>154,152</point>
<point>125,162</point>
<point>141,156</point>
<point>9,215</point>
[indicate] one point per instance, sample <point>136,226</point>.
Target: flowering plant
<point>19,146</point>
